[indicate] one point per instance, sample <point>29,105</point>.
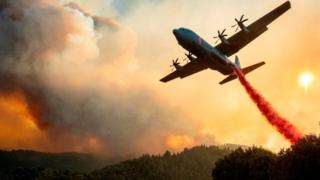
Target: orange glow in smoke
<point>20,130</point>
<point>178,142</point>
<point>17,125</point>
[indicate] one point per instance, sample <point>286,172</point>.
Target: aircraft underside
<point>203,56</point>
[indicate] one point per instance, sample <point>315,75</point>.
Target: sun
<point>305,79</point>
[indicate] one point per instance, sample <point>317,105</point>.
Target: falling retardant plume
<point>288,130</point>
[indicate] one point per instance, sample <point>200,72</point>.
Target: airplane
<point>202,55</point>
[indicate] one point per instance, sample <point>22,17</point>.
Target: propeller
<point>239,22</point>
<point>220,36</point>
<point>189,54</point>
<point>175,63</point>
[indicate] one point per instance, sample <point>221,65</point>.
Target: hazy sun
<point>305,79</point>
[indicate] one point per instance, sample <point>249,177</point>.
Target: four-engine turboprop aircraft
<point>203,56</point>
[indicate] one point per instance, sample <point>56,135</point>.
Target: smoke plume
<point>288,130</point>
<point>74,73</point>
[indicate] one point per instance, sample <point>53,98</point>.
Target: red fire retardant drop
<point>288,130</point>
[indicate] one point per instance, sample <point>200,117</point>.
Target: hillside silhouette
<point>300,161</point>
<point>76,162</point>
<point>193,163</point>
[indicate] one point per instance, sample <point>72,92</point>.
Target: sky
<point>114,74</point>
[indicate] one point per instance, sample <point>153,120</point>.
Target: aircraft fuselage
<point>205,53</point>
<point>204,56</point>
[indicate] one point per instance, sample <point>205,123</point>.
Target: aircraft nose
<point>175,32</point>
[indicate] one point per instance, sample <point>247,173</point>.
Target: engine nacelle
<point>225,41</point>
<point>244,28</point>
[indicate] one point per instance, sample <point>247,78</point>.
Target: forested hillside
<point>194,163</point>
<point>300,161</point>
<point>77,162</point>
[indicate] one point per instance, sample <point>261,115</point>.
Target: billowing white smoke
<point>75,71</point>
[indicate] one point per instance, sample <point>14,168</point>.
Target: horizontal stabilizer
<point>229,78</point>
<point>248,69</point>
<point>245,70</point>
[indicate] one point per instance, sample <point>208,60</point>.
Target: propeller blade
<point>242,16</point>
<point>173,61</point>
<point>216,41</point>
<point>237,28</point>
<point>234,25</point>
<point>245,20</point>
<point>223,31</point>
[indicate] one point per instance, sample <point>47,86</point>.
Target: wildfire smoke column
<point>287,129</point>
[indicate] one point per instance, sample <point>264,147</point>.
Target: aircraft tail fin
<point>245,70</point>
<point>237,62</point>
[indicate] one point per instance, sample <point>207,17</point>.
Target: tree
<point>300,161</point>
<point>194,163</point>
<point>253,163</point>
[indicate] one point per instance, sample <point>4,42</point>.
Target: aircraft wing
<point>186,70</point>
<point>241,39</point>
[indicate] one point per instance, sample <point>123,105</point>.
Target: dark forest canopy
<point>77,162</point>
<point>194,163</point>
<point>300,161</point>
<point>253,163</point>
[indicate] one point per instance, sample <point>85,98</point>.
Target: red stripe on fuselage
<point>199,40</point>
